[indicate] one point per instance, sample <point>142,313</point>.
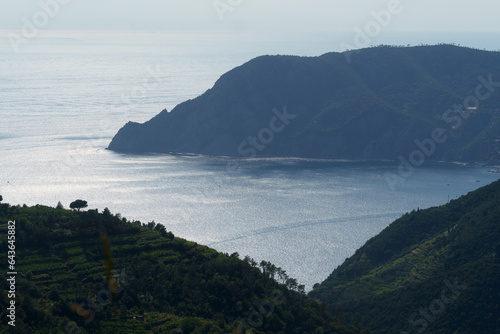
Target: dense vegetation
<point>374,107</point>
<point>433,271</point>
<point>91,272</point>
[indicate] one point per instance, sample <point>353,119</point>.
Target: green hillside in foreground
<point>430,271</point>
<point>91,272</point>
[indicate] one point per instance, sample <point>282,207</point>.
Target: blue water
<point>66,94</point>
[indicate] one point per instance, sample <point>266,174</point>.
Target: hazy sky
<point>326,15</point>
<point>346,24</point>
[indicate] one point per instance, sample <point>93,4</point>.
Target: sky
<point>361,22</point>
<point>413,15</point>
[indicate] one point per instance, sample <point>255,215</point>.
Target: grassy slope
<point>404,268</point>
<point>146,282</point>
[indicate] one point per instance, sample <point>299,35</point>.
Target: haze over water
<point>66,94</point>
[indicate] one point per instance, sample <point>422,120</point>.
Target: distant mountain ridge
<point>375,107</point>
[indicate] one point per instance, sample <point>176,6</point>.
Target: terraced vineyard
<point>91,272</point>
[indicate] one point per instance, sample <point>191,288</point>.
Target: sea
<point>64,94</point>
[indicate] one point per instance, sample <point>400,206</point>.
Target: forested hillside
<point>387,102</point>
<point>432,271</point>
<point>91,272</point>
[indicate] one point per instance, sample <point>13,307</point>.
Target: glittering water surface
<point>65,95</point>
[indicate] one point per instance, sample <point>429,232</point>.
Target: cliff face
<point>387,102</point>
